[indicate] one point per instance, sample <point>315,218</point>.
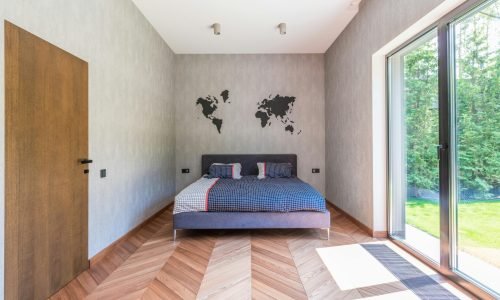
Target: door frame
<point>447,168</point>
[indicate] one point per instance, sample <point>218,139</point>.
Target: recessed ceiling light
<point>282,27</point>
<point>216,27</point>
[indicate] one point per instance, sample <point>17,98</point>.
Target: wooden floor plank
<point>182,274</point>
<point>273,270</point>
<point>228,274</point>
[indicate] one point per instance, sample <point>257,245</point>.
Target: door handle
<point>85,161</point>
<point>439,148</point>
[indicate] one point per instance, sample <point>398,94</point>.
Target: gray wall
<point>131,108</point>
<point>249,79</point>
<point>348,100</point>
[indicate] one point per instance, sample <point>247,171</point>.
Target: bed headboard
<point>248,161</point>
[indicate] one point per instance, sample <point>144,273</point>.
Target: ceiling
<point>249,26</point>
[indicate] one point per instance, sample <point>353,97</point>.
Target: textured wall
<point>131,109</point>
<point>348,100</point>
<point>249,79</point>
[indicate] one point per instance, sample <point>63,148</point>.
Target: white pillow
<point>236,169</point>
<point>262,170</point>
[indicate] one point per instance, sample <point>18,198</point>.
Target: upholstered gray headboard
<point>248,161</point>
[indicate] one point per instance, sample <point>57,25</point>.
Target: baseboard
<point>370,231</point>
<point>101,254</point>
<point>379,234</point>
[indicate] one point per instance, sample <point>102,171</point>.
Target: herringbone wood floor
<point>262,264</point>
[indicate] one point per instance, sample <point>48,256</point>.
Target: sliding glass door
<point>444,144</point>
<point>475,90</point>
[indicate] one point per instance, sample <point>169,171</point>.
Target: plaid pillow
<point>236,169</point>
<point>275,170</point>
<point>221,171</point>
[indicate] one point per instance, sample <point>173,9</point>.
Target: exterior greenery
<point>424,215</point>
<point>421,96</point>
<point>480,214</point>
<point>477,97</point>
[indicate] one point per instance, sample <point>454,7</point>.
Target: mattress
<point>249,194</point>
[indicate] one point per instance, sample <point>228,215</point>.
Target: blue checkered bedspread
<point>250,194</point>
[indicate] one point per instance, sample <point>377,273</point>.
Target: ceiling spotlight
<point>216,27</point>
<point>282,27</point>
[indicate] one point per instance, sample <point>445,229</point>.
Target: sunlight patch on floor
<point>351,266</point>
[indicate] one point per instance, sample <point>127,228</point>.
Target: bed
<point>242,204</point>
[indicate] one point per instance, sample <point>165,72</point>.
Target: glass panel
<point>414,135</point>
<point>476,39</point>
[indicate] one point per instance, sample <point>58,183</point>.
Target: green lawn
<point>478,222</point>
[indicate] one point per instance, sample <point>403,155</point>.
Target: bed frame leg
<point>327,233</point>
<point>175,234</point>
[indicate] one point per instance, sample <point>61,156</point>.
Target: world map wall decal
<point>280,107</point>
<point>209,106</point>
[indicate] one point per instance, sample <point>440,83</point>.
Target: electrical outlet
<point>315,171</point>
<point>103,173</point>
<point>185,171</point>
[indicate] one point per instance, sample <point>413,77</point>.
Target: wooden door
<point>46,190</point>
